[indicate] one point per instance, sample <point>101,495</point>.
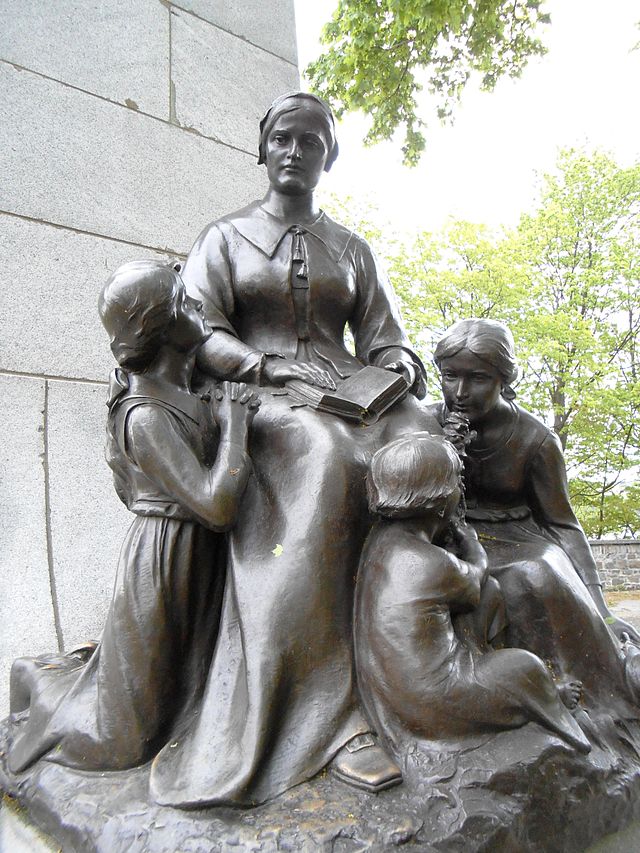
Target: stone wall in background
<point>126,128</point>
<point>618,562</point>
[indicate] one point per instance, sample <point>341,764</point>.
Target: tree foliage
<point>566,282</point>
<point>381,53</point>
<point>582,247</point>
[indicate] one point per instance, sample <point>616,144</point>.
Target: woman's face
<point>296,152</point>
<point>470,385</point>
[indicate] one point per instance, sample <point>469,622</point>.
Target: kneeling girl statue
<point>180,464</point>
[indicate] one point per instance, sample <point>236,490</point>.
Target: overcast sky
<point>585,91</point>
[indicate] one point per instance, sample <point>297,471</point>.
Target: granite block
<point>223,85</point>
<point>271,25</point>
<point>26,609</point>
<point>74,160</point>
<point>88,522</point>
<point>49,303</point>
<point>117,50</point>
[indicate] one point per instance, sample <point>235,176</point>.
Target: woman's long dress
<point>280,700</point>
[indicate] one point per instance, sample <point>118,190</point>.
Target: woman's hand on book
<point>405,369</point>
<point>277,371</point>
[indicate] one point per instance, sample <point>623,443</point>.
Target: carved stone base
<point>516,791</point>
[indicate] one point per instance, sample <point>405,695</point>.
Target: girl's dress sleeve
<point>549,496</point>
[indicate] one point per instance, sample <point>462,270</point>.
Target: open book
<point>362,397</point>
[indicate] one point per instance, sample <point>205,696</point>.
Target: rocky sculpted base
<point>515,791</point>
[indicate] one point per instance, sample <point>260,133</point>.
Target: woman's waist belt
<point>160,508</point>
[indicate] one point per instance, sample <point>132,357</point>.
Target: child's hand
<point>466,544</point>
<point>234,407</point>
<point>461,532</point>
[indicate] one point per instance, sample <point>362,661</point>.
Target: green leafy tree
<point>618,512</point>
<point>381,53</point>
<point>362,216</point>
<point>581,250</point>
<point>465,271</point>
<point>566,282</point>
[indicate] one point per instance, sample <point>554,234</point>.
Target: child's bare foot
<point>631,654</point>
<point>629,647</point>
<point>570,693</point>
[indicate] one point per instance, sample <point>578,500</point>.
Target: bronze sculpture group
<point>298,591</point>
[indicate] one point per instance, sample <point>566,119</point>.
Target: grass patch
<point>616,596</point>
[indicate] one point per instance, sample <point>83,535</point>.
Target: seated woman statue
<point>280,282</point>
<point>416,677</point>
<point>517,501</point>
<point>180,464</point>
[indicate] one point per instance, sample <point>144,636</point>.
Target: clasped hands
<point>234,407</point>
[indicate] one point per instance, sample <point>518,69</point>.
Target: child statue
<point>180,464</point>
<point>415,674</point>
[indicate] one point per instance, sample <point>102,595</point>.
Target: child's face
<point>450,507</point>
<point>190,328</point>
<point>469,385</point>
<point>440,518</point>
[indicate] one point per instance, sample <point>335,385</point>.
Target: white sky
<point>586,90</point>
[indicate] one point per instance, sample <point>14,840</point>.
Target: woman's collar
<point>265,231</point>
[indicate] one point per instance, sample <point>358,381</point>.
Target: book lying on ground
<point>362,397</point>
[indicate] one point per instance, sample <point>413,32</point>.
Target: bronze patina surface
<point>326,632</point>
